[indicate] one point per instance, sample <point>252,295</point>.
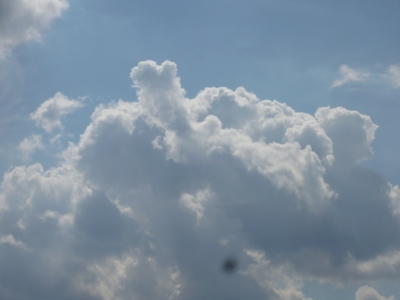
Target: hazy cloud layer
<point>24,20</point>
<point>159,192</point>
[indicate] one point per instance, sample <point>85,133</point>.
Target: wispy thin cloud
<point>393,75</point>
<point>349,75</point>
<point>10,240</point>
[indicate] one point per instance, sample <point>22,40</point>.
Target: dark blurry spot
<point>229,265</point>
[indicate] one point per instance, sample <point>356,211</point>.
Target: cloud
<point>49,113</point>
<point>351,133</point>
<point>159,192</point>
<point>291,165</point>
<point>285,285</point>
<point>9,239</point>
<point>393,75</point>
<point>24,20</point>
<point>368,293</point>
<point>195,202</point>
<point>30,144</point>
<point>394,195</point>
<point>348,75</point>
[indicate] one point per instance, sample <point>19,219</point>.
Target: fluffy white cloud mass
<point>158,193</point>
<point>48,115</point>
<point>24,20</point>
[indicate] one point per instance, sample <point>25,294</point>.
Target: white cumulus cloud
<point>351,132</point>
<point>24,20</point>
<point>159,192</point>
<point>49,113</point>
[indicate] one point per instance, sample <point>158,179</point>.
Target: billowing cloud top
<point>159,193</point>
<point>23,20</point>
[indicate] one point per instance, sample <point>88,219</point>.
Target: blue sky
<point>138,149</point>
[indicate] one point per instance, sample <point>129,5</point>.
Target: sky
<point>199,150</point>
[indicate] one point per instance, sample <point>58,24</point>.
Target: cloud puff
<point>348,75</point>
<point>351,133</point>
<point>49,113</point>
<point>159,192</point>
<point>24,20</point>
<point>368,293</point>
